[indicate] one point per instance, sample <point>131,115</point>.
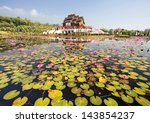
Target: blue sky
<point>129,14</point>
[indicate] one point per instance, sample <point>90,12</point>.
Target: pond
<point>67,72</point>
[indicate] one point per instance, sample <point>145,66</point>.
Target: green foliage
<point>18,25</point>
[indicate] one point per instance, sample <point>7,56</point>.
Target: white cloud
<point>5,8</point>
<point>34,13</point>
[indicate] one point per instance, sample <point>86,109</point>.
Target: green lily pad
<point>100,85</point>
<point>81,79</point>
<point>102,79</point>
<point>85,86</point>
<point>20,101</point>
<point>71,84</point>
<point>56,101</point>
<point>27,86</point>
<point>42,101</point>
<point>61,87</point>
<point>61,102</point>
<point>47,85</point>
<point>133,73</point>
<point>110,102</point>
<point>3,85</point>
<point>141,84</point>
<point>37,86</point>
<point>139,91</point>
<point>76,90</point>
<point>95,100</point>
<point>115,94</point>
<point>127,99</point>
<point>133,77</point>
<point>142,78</point>
<point>89,92</point>
<point>11,94</point>
<point>54,94</point>
<point>113,74</point>
<point>115,83</point>
<point>110,88</point>
<point>131,93</point>
<point>142,101</point>
<point>125,86</point>
<point>146,73</point>
<point>71,76</point>
<point>81,101</point>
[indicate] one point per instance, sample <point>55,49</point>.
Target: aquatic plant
<point>11,94</point>
<point>110,102</point>
<point>127,99</point>
<point>42,101</point>
<point>54,94</point>
<point>81,101</point>
<point>95,100</point>
<point>84,86</point>
<point>142,101</point>
<point>89,92</point>
<point>20,101</point>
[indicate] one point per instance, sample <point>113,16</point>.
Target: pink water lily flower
<point>33,53</point>
<point>106,58</point>
<point>124,77</point>
<point>39,66</point>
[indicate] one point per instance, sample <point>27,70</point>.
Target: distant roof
<point>72,18</point>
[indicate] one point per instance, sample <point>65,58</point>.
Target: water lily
<point>54,94</point>
<point>39,66</point>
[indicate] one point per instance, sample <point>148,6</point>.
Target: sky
<point>128,14</point>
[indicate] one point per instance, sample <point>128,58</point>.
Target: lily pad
<point>61,102</point>
<point>133,77</point>
<point>139,91</point>
<point>142,101</point>
<point>81,101</point>
<point>146,73</point>
<point>3,85</point>
<point>110,88</point>
<point>133,73</point>
<point>81,79</point>
<point>37,86</point>
<point>42,101</point>
<point>20,101</point>
<point>115,94</point>
<point>110,102</point>
<point>102,79</point>
<point>71,84</point>
<point>27,86</point>
<point>95,100</point>
<point>113,74</point>
<point>84,86</point>
<point>141,84</point>
<point>100,85</point>
<point>131,93</point>
<point>89,92</point>
<point>47,85</point>
<point>54,94</point>
<point>142,78</point>
<point>11,94</point>
<point>125,86</point>
<point>127,99</point>
<point>76,90</point>
<point>115,83</point>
